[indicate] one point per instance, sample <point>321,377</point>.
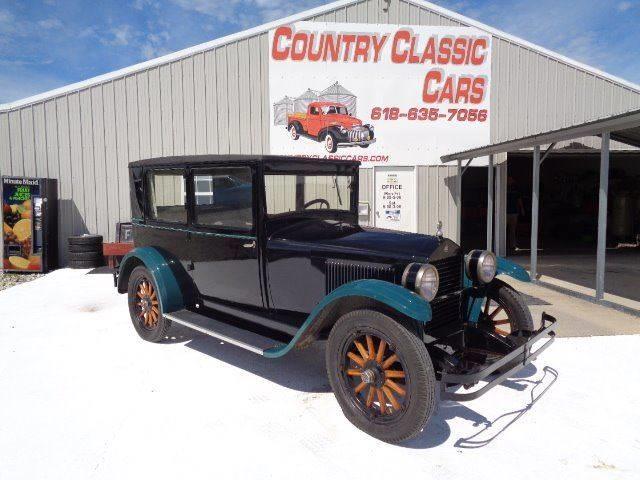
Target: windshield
<point>308,192</point>
<point>334,109</point>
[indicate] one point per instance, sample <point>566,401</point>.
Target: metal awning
<point>624,128</point>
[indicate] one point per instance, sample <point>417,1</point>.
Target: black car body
<point>281,264</point>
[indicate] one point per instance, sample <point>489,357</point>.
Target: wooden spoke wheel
<point>375,375</point>
<point>147,306</point>
<point>505,311</point>
<point>496,314</point>
<point>381,374</point>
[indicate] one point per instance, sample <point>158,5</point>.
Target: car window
<point>224,198</point>
<point>166,193</point>
<point>291,193</point>
<point>313,111</point>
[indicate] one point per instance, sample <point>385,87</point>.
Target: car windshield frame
<point>342,214</point>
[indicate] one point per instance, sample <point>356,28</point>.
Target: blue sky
<point>45,44</point>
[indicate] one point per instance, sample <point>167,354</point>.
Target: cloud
<point>50,23</point>
<point>246,12</point>
<point>119,36</point>
<point>624,6</point>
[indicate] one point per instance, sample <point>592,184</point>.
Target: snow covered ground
<point>83,397</point>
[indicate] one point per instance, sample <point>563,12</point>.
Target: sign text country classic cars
<point>381,94</point>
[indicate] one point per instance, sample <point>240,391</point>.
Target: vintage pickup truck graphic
<point>330,123</point>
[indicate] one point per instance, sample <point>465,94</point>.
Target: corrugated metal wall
<point>217,102</point>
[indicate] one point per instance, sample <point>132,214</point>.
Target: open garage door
<point>568,217</point>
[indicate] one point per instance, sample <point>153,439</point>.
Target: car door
<point>165,214</point>
<point>225,258</point>
<point>314,120</point>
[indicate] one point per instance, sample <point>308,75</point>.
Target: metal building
<point>213,98</point>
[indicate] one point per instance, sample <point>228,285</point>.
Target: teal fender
<point>475,297</point>
<point>505,267</point>
<point>164,270</point>
<point>394,296</point>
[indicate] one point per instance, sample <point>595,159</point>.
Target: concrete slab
<point>622,275</point>
<point>577,317</point>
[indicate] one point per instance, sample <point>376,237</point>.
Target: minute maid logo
<point>20,181</point>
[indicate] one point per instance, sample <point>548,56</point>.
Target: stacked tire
<point>85,251</point>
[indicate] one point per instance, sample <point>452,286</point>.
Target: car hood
<point>384,245</point>
<point>344,120</point>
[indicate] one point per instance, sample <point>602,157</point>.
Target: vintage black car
<point>266,253</point>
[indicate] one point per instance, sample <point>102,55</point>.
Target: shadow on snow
<point>304,371</point>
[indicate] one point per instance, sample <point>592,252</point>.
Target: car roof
<point>271,162</point>
<point>327,104</point>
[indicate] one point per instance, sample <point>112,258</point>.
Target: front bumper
<point>523,354</point>
<point>356,144</point>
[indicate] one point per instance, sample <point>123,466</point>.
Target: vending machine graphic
<point>29,224</point>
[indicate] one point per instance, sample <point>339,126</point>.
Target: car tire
<point>144,306</point>
<point>364,146</point>
<point>84,264</point>
<point>395,422</point>
<point>85,240</point>
<point>91,256</point>
<point>330,143</point>
<point>96,247</point>
<point>508,303</point>
<point>294,132</point>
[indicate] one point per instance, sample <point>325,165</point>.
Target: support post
<point>490,204</point>
<point>602,215</point>
<point>459,201</point>
<point>534,212</point>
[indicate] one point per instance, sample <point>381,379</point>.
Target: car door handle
<point>249,245</point>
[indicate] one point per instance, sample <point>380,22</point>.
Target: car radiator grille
<point>359,134</point>
<point>339,272</point>
<point>446,306</point>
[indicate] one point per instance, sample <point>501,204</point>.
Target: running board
<point>242,338</point>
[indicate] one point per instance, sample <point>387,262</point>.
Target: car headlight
<point>342,129</point>
<point>422,278</point>
<point>481,265</point>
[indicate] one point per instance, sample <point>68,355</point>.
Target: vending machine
<point>29,224</point>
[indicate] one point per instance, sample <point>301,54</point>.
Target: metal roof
<point>300,17</point>
<point>624,128</point>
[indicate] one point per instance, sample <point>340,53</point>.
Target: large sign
<point>381,94</point>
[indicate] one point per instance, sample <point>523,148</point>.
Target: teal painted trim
<point>137,220</point>
<point>169,291</point>
<point>474,303</point>
<point>506,267</point>
<point>197,232</point>
<point>395,296</point>
<point>474,308</point>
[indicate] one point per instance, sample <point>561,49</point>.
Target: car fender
<point>507,267</point>
<point>476,297</point>
<point>394,296</point>
<point>167,272</point>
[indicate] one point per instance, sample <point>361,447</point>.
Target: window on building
<point>166,194</point>
<point>224,198</point>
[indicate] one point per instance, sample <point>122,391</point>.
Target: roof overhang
<point>624,128</point>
